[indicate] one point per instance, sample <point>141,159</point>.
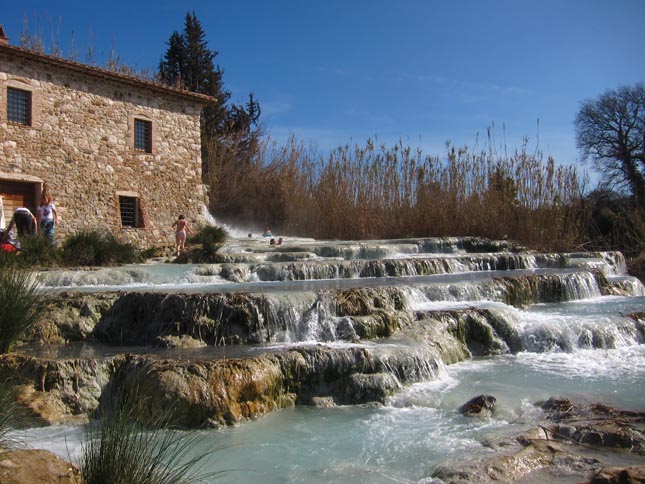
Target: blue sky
<point>339,71</point>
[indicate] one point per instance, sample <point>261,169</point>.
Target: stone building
<point>116,152</point>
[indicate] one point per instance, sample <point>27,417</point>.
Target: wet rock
<point>557,407</point>
<point>224,392</point>
<point>480,406</point>
<point>322,402</point>
<point>374,387</point>
<point>571,444</point>
<point>534,460</point>
<point>139,318</point>
<point>474,328</point>
<point>619,475</point>
<point>53,391</point>
<point>36,467</point>
<point>523,291</point>
<point>381,303</point>
<point>345,330</point>
<point>240,318</point>
<point>595,425</point>
<point>40,408</point>
<point>234,272</point>
<point>432,330</point>
<point>182,341</point>
<point>69,317</point>
<point>219,392</point>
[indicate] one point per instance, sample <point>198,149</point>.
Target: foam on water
<point>584,348</point>
<point>628,363</point>
<point>404,440</point>
<point>562,327</point>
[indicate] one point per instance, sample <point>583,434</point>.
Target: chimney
<point>4,40</point>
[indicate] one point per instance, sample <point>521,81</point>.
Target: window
<point>130,209</point>
<point>143,135</point>
<point>19,106</point>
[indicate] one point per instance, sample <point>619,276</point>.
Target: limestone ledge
<point>576,442</point>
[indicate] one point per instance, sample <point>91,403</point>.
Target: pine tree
<point>171,68</point>
<point>189,63</point>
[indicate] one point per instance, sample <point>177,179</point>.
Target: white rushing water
<point>419,429</point>
<point>584,348</point>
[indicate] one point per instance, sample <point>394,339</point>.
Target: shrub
<point>209,236</point>
<point>35,252</point>
<point>38,251</point>
<point>20,305</point>
<point>616,222</point>
<point>95,248</point>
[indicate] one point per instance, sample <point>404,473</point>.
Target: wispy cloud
<point>271,108</point>
<point>457,84</point>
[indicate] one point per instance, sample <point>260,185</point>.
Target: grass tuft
<point>126,445</point>
<point>21,305</point>
<point>95,248</point>
<point>10,416</point>
<point>38,251</point>
<point>209,236</point>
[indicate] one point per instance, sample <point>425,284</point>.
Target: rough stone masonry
<point>78,136</point>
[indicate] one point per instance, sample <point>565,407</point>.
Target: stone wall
<point>81,143</point>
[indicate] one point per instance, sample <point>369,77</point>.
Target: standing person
<point>47,216</point>
<point>24,221</point>
<point>2,224</point>
<point>181,228</point>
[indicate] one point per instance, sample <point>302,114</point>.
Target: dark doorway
<point>19,194</point>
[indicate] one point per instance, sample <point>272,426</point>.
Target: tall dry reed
<point>379,191</point>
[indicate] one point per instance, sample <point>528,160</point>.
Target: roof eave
<point>101,73</point>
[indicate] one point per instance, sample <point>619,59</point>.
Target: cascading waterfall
<point>417,325</point>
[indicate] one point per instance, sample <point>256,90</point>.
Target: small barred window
<point>131,214</point>
<point>19,106</point>
<point>143,135</point>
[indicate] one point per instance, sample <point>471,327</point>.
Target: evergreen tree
<point>171,68</point>
<point>189,64</point>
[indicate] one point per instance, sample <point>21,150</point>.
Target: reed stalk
<point>378,191</point>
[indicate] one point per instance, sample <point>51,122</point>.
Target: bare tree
<point>610,131</point>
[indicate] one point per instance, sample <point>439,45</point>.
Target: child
<point>47,217</point>
<point>181,228</point>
